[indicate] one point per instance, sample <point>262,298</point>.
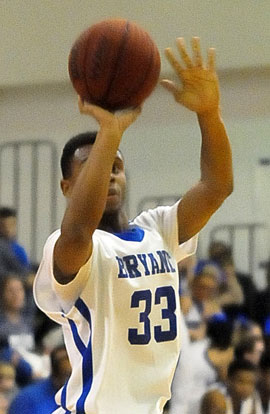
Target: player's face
<point>117,184</point>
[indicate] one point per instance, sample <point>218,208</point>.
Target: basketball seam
<point>91,97</point>
<point>116,65</point>
<point>137,87</point>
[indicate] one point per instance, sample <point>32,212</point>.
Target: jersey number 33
<point>168,312</point>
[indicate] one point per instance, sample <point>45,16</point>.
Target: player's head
<point>8,222</point>
<point>242,376</point>
<point>78,141</point>
<point>75,154</point>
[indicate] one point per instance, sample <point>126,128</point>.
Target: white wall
<point>162,147</point>
<point>36,35</point>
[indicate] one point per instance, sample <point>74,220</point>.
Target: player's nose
<point>112,176</point>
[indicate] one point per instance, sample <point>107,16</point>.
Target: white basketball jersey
<point>122,332</point>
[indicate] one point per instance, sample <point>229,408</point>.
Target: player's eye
<point>115,169</point>
<point>117,166</point>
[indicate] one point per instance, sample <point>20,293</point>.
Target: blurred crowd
<point>224,366</point>
<point>33,360</point>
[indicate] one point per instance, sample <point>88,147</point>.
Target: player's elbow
<point>217,194</point>
<point>226,189</point>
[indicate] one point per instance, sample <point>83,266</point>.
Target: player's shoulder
<point>155,215</point>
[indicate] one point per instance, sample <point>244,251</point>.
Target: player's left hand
<point>200,87</point>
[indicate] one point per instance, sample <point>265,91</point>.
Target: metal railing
<point>25,167</point>
<point>232,231</point>
<point>229,232</point>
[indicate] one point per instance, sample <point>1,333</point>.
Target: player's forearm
<point>216,157</point>
<point>88,198</point>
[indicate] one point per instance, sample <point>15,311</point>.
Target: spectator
<point>13,258</point>
<point>264,383</point>
<point>16,328</point>
<point>221,254</point>
<point>8,230</point>
<point>24,371</point>
<point>13,324</point>
<point>204,287</point>
<point>242,397</point>
<point>213,402</point>
<point>39,398</point>
<point>3,403</point>
<point>182,381</point>
<point>247,328</point>
<point>262,310</point>
<point>210,358</point>
<point>7,380</point>
<point>251,349</point>
<point>229,291</point>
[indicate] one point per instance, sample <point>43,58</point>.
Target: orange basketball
<point>114,64</point>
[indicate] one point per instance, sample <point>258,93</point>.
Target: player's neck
<point>114,222</point>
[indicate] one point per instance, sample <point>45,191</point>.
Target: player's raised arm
<point>199,92</point>
<point>87,190</point>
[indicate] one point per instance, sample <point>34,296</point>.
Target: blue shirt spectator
<point>37,398</point>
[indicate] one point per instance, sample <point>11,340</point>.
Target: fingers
<point>90,109</point>
<point>197,51</point>
<point>183,52</point>
<point>188,62</point>
<point>173,61</point>
<point>212,59</point>
<point>106,118</point>
<point>169,85</point>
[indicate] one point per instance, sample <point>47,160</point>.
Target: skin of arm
<point>200,93</point>
<point>87,192</point>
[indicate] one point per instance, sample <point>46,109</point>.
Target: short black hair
<point>85,138</point>
<point>240,365</point>
<point>6,212</point>
<point>219,330</point>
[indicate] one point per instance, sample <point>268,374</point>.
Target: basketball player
<point>113,284</point>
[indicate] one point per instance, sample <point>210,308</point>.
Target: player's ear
<point>65,187</point>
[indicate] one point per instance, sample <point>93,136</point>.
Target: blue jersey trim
<point>132,234</point>
<point>79,343</point>
<point>64,398</point>
<point>87,362</point>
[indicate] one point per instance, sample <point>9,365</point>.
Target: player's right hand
<point>114,123</point>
